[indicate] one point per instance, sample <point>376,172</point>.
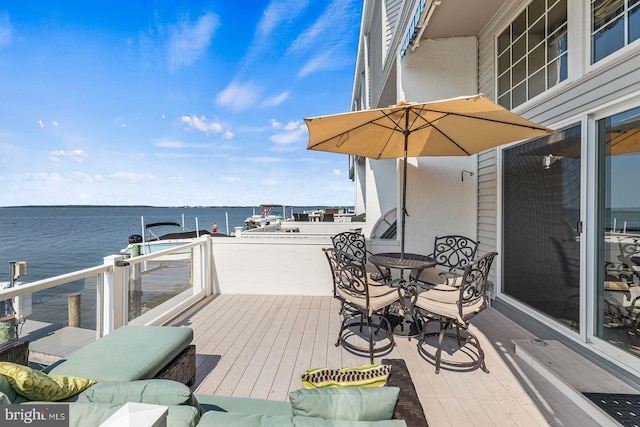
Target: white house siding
<point>615,79</point>
<point>376,50</point>
<point>487,176</point>
<point>393,9</point>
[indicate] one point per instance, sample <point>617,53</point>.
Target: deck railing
<point>118,281</point>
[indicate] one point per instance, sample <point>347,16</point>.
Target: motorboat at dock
<point>159,236</point>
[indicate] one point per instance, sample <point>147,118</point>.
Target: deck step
<point>572,374</point>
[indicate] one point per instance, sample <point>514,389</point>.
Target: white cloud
<point>188,41</point>
<point>275,124</point>
<point>81,177</point>
<point>239,97</point>
<point>41,124</point>
<point>229,179</point>
<point>132,177</point>
<point>55,123</point>
<point>76,156</point>
<point>41,176</point>
<point>337,172</point>
<point>169,144</point>
<point>293,131</point>
<point>227,134</point>
<point>175,155</point>
<point>202,124</point>
<point>320,62</point>
<point>265,159</point>
<point>276,100</point>
<point>269,182</point>
<point>6,30</point>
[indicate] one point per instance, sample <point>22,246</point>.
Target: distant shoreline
<point>153,206</point>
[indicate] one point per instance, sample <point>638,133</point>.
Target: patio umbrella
<point>452,127</point>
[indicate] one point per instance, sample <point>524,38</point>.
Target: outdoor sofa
<point>130,379</point>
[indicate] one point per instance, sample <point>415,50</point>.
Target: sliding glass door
<point>618,252</point>
<point>541,225</point>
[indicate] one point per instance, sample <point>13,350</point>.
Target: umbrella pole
<point>404,182</point>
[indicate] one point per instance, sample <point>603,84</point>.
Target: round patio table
<point>404,325</point>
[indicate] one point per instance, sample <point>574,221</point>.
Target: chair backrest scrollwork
<point>349,275</point>
<point>475,282</point>
<point>454,251</point>
<point>351,243</point>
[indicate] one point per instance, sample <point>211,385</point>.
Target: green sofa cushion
<point>157,392</point>
<point>129,353</point>
<point>233,419</point>
<point>6,389</point>
<point>348,404</point>
<point>243,405</point>
<point>94,414</point>
<point>300,421</point>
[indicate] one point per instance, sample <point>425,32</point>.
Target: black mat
<point>624,408</point>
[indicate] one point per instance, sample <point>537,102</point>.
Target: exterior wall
<point>439,202</point>
<point>381,191</point>
<point>443,68</point>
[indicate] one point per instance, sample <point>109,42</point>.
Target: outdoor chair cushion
<point>36,385</point>
<point>129,353</point>
<point>441,300</point>
<point>348,404</point>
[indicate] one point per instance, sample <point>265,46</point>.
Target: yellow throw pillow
<point>356,376</point>
<point>36,385</point>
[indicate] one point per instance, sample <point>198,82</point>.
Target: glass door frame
<point>599,345</point>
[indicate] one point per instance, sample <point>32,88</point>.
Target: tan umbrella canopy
<point>452,127</point>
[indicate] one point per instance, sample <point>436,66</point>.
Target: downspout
<point>367,86</point>
<point>424,21</point>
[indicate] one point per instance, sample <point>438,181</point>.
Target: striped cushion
<point>356,376</point>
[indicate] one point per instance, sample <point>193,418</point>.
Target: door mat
<point>624,408</point>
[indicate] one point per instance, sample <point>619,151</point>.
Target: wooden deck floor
<point>258,346</point>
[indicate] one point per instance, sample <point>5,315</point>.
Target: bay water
<point>56,240</point>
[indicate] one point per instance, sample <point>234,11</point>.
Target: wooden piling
<point>73,301</point>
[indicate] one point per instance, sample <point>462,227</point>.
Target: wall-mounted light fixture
<point>465,171</point>
<point>550,159</point>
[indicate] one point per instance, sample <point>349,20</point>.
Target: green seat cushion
<point>348,404</point>
<point>156,392</point>
<point>233,419</point>
<point>94,414</point>
<point>7,390</point>
<point>300,421</point>
<point>244,405</point>
<point>129,353</point>
<point>36,385</point>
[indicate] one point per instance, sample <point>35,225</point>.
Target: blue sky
<point>172,103</point>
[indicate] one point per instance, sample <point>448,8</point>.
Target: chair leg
<point>370,339</point>
<point>443,329</point>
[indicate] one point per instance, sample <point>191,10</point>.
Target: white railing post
<point>113,301</point>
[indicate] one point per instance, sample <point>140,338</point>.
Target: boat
<point>159,236</point>
<point>267,216</point>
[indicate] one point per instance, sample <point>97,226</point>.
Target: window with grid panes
<point>532,52</point>
<point>614,24</point>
